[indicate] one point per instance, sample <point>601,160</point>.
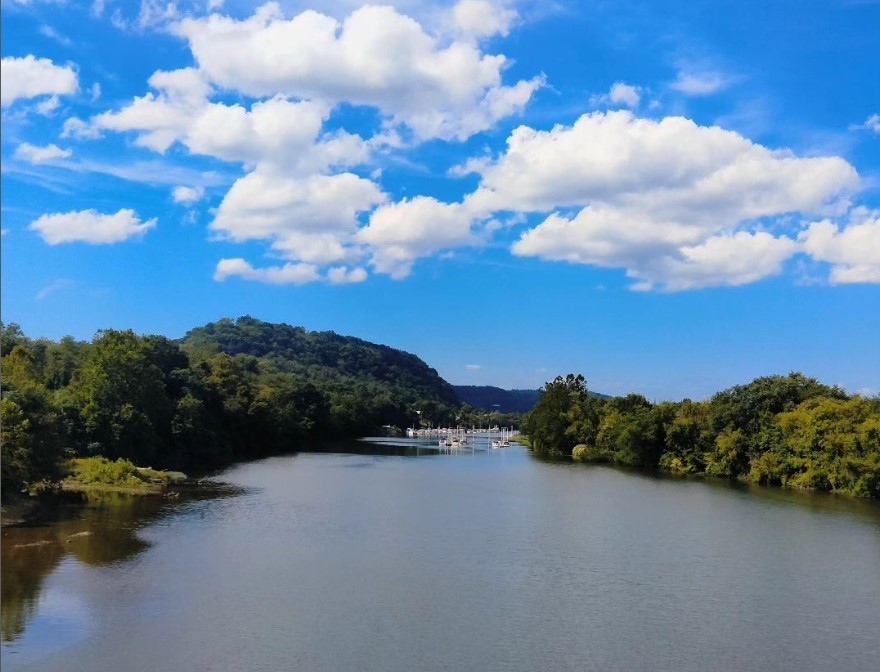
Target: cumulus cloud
<point>187,195</point>
<point>620,94</point>
<point>853,251</point>
<point>163,118</point>
<point>90,226</point>
<point>299,193</point>
<point>79,129</point>
<point>34,154</point>
<point>727,259</point>
<point>311,219</point>
<point>375,57</point>
<point>671,167</point>
<point>285,134</point>
<point>399,233</point>
<point>480,18</point>
<point>30,77</point>
<point>288,197</point>
<point>655,255</point>
<point>667,200</point>
<point>340,275</point>
<point>288,274</point>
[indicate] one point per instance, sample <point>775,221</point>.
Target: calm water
<point>484,561</point>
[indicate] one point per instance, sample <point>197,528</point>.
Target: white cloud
<point>666,200</point>
<point>289,274</point>
<point>619,94</point>
<point>79,129</point>
<point>53,34</point>
<point>340,275</point>
<point>90,226</point>
<point>872,123</point>
<point>29,77</point>
<point>297,194</point>
<point>726,259</point>
<point>400,233</point>
<point>53,287</point>
<point>655,254</point>
<point>853,252</point>
<point>672,168</point>
<point>473,367</point>
<point>48,106</point>
<point>700,82</point>
<point>165,117</point>
<point>33,154</point>
<point>375,57</point>
<point>156,13</point>
<point>279,132</point>
<point>310,219</point>
<point>187,195</point>
<point>480,18</point>
<point>95,91</point>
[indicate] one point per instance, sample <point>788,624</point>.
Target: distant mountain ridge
<point>489,398</point>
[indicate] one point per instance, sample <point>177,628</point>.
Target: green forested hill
<point>322,357</point>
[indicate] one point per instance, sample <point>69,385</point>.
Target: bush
<point>101,471</point>
<point>585,453</point>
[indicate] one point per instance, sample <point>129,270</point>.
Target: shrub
<point>101,471</point>
<point>585,453</point>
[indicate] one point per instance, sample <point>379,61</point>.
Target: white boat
<point>504,442</point>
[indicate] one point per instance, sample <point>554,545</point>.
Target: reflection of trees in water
<point>28,556</point>
<point>96,529</point>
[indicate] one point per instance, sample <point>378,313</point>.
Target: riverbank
<point>92,476</point>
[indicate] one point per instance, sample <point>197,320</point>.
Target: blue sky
<point>670,198</point>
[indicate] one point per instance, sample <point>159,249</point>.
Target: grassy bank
<point>98,474</point>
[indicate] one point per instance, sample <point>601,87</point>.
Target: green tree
<point>831,444</point>
<point>124,405</point>
<point>688,436</point>
<point>548,423</point>
<point>31,433</point>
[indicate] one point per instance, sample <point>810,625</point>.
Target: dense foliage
<point>229,390</point>
<point>784,430</point>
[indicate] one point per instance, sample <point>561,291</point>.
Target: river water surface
<point>399,559</point>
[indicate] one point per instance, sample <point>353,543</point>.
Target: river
<point>398,558</point>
